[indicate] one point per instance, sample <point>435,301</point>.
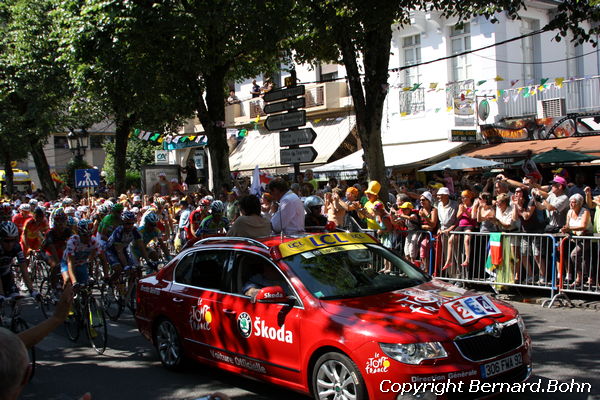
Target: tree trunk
<point>42,167</point>
<point>122,129</point>
<point>212,116</point>
<point>8,174</point>
<point>368,103</point>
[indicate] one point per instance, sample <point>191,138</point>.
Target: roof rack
<point>231,238</point>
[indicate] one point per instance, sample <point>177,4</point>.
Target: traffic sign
<point>300,155</point>
<point>85,178</point>
<point>289,120</point>
<point>291,104</point>
<point>297,136</point>
<point>285,93</point>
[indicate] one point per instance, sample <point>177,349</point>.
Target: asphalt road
<point>566,347</point>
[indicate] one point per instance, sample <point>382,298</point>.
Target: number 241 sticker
<point>468,309</point>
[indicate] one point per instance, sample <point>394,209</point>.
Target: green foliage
<point>139,153</point>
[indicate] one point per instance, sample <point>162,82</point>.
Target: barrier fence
<point>557,264</point>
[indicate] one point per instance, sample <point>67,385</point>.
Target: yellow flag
<point>257,119</point>
<point>559,82</point>
<point>433,85</point>
<point>449,108</point>
<point>403,114</point>
<point>192,138</point>
<point>160,139</point>
<point>498,78</point>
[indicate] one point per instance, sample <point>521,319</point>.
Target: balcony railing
<point>321,97</point>
<point>581,95</point>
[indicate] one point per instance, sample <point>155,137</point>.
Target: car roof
<point>263,242</point>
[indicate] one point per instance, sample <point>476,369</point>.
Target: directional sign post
<point>299,155</point>
<point>297,137</point>
<point>85,178</point>
<point>290,120</point>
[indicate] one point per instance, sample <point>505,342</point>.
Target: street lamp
<point>78,142</point>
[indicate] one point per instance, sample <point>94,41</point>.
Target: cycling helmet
<point>128,216</point>
<point>117,207</point>
<point>151,219</point>
<point>71,221</point>
<point>25,207</point>
<point>205,202</point>
<point>59,214</point>
<point>38,211</point>
<point>67,200</point>
<point>217,207</point>
<point>108,204</point>
<point>312,201</point>
<point>33,202</point>
<point>69,210</point>
<point>160,202</point>
<point>84,227</point>
<point>8,229</point>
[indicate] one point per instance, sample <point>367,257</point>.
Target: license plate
<point>499,366</point>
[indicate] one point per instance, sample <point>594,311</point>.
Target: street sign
<point>161,157</point>
<point>289,120</point>
<point>297,137</point>
<point>280,94</point>
<point>300,155</point>
<point>85,178</point>
<point>284,105</point>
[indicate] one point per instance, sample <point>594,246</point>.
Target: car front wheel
<point>168,345</point>
<point>336,377</point>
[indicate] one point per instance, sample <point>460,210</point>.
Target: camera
<point>538,198</point>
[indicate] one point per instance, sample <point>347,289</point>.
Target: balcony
<point>580,95</point>
<point>320,98</point>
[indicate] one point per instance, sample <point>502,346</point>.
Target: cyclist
<point>6,212</point>
<point>117,245</point>
<point>55,242</point>
<point>110,222</point>
<point>150,232</point>
<point>9,249</point>
<point>22,216</point>
<point>33,231</point>
<point>81,248</point>
<point>215,223</point>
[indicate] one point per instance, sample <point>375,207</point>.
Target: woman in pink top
<point>466,223</point>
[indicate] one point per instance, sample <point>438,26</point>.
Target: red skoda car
<point>334,315</point>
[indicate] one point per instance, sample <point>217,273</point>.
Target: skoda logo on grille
<point>494,330</point>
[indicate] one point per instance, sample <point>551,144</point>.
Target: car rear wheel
<point>336,377</point>
<point>168,345</point>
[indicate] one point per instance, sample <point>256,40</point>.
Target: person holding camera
<point>556,204</point>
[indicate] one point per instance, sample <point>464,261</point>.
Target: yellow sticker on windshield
<point>321,241</point>
<point>347,247</point>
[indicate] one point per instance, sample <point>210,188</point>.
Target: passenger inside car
<point>256,273</point>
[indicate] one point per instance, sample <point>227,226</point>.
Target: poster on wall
<point>464,110</point>
<point>150,176</point>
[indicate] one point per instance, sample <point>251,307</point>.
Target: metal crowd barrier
<point>540,261</point>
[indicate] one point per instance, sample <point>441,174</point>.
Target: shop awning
<point>398,154</point>
<point>512,151</point>
<point>262,148</point>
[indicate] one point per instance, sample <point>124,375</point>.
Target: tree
<point>358,34</point>
<point>115,53</point>
<point>218,41</point>
<point>139,153</point>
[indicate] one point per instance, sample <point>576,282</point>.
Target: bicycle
<point>50,293</point>
<point>38,267</point>
<point>10,318</point>
<point>89,316</point>
<point>121,291</point>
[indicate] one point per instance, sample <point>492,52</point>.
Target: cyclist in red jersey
<point>34,231</point>
<point>22,216</point>
<point>55,242</point>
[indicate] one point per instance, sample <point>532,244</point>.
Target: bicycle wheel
<point>40,270</point>
<point>131,301</point>
<point>19,325</point>
<point>73,321</point>
<point>49,296</point>
<point>96,328</point>
<point>111,302</point>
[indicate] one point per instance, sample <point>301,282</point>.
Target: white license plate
<point>499,366</point>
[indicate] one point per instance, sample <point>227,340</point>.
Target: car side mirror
<point>271,294</point>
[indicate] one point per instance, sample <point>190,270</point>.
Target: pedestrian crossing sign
<point>85,178</point>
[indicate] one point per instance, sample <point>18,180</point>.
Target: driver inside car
<point>265,276</point>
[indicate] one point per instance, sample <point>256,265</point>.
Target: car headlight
<point>413,353</point>
<point>521,324</point>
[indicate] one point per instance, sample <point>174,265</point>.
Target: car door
<point>200,286</point>
<point>266,336</point>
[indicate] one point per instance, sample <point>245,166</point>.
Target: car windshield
<point>353,271</point>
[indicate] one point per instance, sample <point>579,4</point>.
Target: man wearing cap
<point>162,187</point>
<point>556,203</point>
<point>368,211</point>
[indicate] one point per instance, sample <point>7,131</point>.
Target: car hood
<point>423,313</point>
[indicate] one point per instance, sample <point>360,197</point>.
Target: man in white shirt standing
<point>289,217</point>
